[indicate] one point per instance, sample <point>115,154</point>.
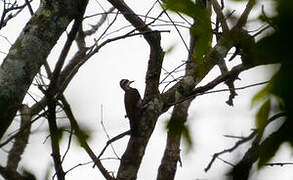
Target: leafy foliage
<point>201,29</point>
<point>276,47</point>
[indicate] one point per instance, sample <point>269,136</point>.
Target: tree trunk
<point>29,53</point>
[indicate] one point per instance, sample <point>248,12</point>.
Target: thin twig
<point>279,164</point>
<point>108,27</point>
<point>80,164</point>
<point>113,140</point>
<point>220,15</point>
<point>150,10</point>
<point>82,140</point>
<point>256,132</point>
<point>179,33</point>
<point>237,88</point>
<point>243,18</point>
<point>105,130</point>
<point>238,143</point>
<point>27,2</point>
<point>68,145</point>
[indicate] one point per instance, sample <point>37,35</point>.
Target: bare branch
<point>100,23</point>
<point>82,140</point>
<point>156,52</point>
<point>21,140</point>
<point>243,18</point>
<point>238,143</point>
<point>220,15</point>
<point>105,130</point>
<point>27,2</point>
<point>110,141</point>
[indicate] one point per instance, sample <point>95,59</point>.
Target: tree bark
<point>29,53</point>
<point>168,167</point>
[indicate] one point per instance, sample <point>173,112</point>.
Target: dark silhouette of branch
<point>237,88</point>
<point>4,20</point>
<point>10,174</point>
<point>243,18</point>
<point>236,145</point>
<point>131,159</point>
<point>113,140</point>
<point>55,135</point>
<point>82,140</point>
<point>220,15</point>
<point>29,7</point>
<point>241,170</point>
<point>279,164</point>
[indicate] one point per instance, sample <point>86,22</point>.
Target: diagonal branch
<point>234,72</point>
<point>82,140</point>
<point>220,15</point>
<point>21,140</point>
<point>236,145</point>
<point>243,18</point>
<point>156,52</point>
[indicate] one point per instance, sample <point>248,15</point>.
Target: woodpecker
<point>132,101</point>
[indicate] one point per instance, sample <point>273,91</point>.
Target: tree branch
<point>156,52</point>
<point>220,15</point>
<point>243,18</point>
<point>21,139</point>
<point>82,140</point>
<point>28,54</point>
<point>238,143</point>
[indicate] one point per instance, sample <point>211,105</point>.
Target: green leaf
<point>82,136</point>
<point>269,148</point>
<point>263,114</point>
<point>186,7</point>
<point>59,134</point>
<point>170,49</point>
<point>201,29</point>
<point>176,128</point>
<point>187,138</point>
<point>260,96</point>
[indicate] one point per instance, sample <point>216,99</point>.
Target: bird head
<point>125,84</point>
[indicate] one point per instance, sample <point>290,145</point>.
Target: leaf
<point>176,128</point>
<point>201,29</point>
<point>186,7</point>
<point>82,136</point>
<point>170,49</point>
<point>28,175</point>
<point>260,96</point>
<point>58,133</point>
<point>187,138</point>
<point>263,114</point>
<point>269,148</point>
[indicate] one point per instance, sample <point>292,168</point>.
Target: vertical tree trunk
<point>29,52</point>
<point>168,167</point>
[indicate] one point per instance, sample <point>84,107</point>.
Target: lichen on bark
<point>28,54</point>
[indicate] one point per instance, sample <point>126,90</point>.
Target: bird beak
<point>130,82</point>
